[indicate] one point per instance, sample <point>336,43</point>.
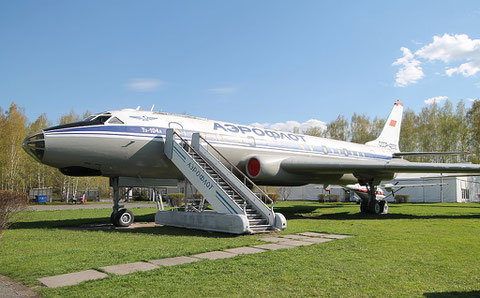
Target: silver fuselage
<point>132,144</point>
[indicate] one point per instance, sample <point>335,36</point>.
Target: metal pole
<point>441,187</point>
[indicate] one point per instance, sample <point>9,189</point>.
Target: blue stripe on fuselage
<point>159,132</point>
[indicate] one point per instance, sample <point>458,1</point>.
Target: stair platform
<point>206,220</point>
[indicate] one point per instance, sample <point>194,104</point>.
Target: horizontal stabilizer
<point>311,166</point>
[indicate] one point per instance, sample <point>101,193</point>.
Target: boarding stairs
<point>237,209</point>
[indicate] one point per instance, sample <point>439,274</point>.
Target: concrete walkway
<point>274,243</point>
<point>88,206</point>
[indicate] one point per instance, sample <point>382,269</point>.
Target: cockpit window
<point>98,119</point>
<point>115,120</point>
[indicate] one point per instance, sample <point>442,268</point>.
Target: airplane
<point>130,143</point>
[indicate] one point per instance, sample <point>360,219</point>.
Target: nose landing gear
<point>120,216</point>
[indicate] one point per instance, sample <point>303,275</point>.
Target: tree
<point>473,126</point>
<point>361,129</point>
<point>338,129</point>
<point>13,133</point>
<point>315,131</point>
<point>409,133</point>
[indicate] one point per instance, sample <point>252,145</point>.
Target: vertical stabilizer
<point>390,134</point>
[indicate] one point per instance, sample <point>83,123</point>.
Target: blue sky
<point>238,61</point>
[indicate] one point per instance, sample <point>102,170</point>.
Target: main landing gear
<point>370,204</point>
<point>120,216</point>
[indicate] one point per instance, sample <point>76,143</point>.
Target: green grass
<point>417,250</point>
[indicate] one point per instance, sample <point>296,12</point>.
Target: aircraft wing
<point>315,165</point>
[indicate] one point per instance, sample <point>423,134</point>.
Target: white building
<point>432,188</point>
<point>436,188</point>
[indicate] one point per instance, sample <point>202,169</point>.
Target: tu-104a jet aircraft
<point>131,143</point>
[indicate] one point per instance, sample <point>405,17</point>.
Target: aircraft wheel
<point>112,217</point>
<point>363,206</point>
<point>375,207</point>
<point>384,207</point>
<point>123,218</point>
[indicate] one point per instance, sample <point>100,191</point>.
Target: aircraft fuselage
<point>130,143</point>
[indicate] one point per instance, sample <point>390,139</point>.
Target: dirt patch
<point>108,226</point>
<point>11,289</point>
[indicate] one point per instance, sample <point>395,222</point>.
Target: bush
<point>402,199</point>
<point>325,197</point>
<point>10,202</point>
<point>175,199</point>
<point>140,195</point>
<point>197,196</point>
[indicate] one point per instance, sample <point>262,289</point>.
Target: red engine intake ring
<point>253,167</point>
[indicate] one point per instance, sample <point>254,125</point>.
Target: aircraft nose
<point>34,145</point>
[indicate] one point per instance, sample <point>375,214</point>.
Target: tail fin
<point>390,134</point>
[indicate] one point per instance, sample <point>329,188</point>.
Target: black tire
<point>382,205</point>
<point>363,206</point>
<point>375,207</point>
<point>123,218</point>
<point>385,208</point>
<point>112,217</point>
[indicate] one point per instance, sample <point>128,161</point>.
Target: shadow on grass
<point>305,212</point>
<point>452,294</point>
<point>89,224</point>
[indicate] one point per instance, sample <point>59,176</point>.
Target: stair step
<point>257,221</point>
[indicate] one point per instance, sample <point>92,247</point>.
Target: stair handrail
<point>243,174</point>
<point>206,161</point>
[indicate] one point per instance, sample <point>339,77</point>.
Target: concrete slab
<point>272,239</point>
<point>334,236</point>
<point>214,255</point>
<point>273,246</point>
<point>123,269</point>
<point>245,250</point>
<point>313,234</point>
<point>318,240</point>
<point>174,261</point>
<point>71,278</point>
<point>295,243</point>
<point>295,237</point>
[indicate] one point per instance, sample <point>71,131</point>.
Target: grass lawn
<point>418,250</point>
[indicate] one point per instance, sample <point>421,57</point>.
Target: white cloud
<point>410,70</point>
<point>449,48</point>
<point>223,90</point>
<point>435,99</point>
<point>145,84</point>
<point>466,69</point>
<point>291,124</point>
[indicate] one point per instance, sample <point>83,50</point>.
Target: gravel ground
<point>10,289</point>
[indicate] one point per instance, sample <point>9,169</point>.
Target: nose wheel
<point>122,218</point>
